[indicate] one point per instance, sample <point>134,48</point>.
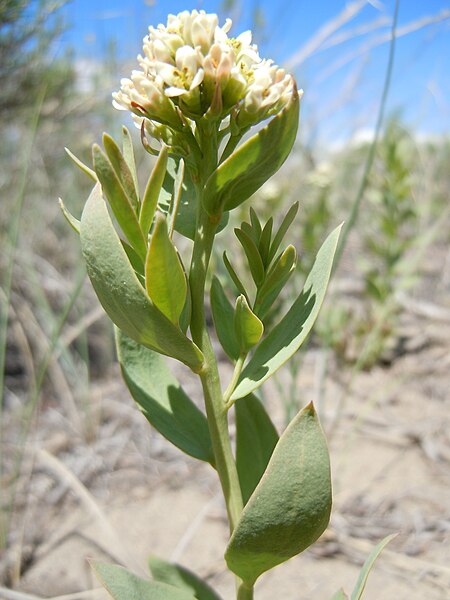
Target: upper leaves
<point>120,291</point>
<point>164,276</point>
<point>289,334</point>
<point>253,163</point>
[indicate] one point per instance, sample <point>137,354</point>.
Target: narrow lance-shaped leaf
<point>122,170</point>
<point>118,200</point>
<point>253,163</point>
<point>123,585</point>
<point>128,154</point>
<point>120,292</point>
<point>256,438</point>
<point>73,221</point>
<point>254,259</point>
<point>86,170</point>
<point>152,191</point>
<point>264,242</point>
<point>289,334</point>
<point>247,326</point>
<point>275,280</point>
<point>162,399</point>
<point>181,578</point>
<point>340,595</point>
<point>234,276</point>
<point>164,275</point>
<point>256,225</point>
<point>285,224</point>
<point>223,316</point>
<point>365,571</point>
<point>290,507</point>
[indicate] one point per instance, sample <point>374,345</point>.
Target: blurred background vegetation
<point>54,342</point>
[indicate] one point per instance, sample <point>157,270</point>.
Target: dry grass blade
<point>314,43</point>
<point>112,543</point>
<point>379,40</point>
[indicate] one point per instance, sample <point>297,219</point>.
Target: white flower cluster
<point>191,66</point>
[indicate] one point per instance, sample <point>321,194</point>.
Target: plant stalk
<point>215,407</point>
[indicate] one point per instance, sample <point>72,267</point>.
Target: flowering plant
<point>196,94</point>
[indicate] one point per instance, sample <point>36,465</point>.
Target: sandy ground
<point>121,492</point>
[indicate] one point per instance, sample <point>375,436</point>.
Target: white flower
<point>191,66</point>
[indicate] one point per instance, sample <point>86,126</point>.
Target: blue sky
<point>342,83</point>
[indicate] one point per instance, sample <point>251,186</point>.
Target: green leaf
<point>73,222</point>
<point>290,507</point>
<point>122,170</point>
<point>164,276</point>
<point>264,243</point>
<point>186,216</point>
<point>123,585</point>
<point>254,258</point>
<point>118,200</point>
<point>86,170</point>
<point>128,154</point>
<point>247,326</point>
<point>276,279</point>
<point>120,292</point>
<point>256,225</point>
<point>365,571</point>
<point>162,399</point>
<point>289,334</point>
<point>234,276</point>
<point>223,316</point>
<point>152,191</point>
<point>340,595</point>
<point>256,438</point>
<point>181,578</point>
<point>253,163</point>
<point>285,224</point>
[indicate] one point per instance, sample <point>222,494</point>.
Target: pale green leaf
<point>340,595</point>
<point>248,328</point>
<point>253,163</point>
<point>234,276</point>
<point>256,438</point>
<point>289,334</point>
<point>162,399</point>
<point>122,170</point>
<point>73,221</point>
<point>164,276</point>
<point>223,316</point>
<point>264,242</point>
<point>86,170</point>
<point>152,191</point>
<point>120,292</point>
<point>290,507</point>
<point>256,225</point>
<point>186,215</point>
<point>365,571</point>
<point>275,280</point>
<point>254,258</point>
<point>123,585</point>
<point>118,200</point>
<point>282,230</point>
<point>181,578</point>
<point>128,154</point>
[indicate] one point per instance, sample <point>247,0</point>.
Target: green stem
<point>215,407</point>
<point>244,592</point>
<point>231,386</point>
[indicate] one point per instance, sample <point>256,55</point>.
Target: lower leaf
<point>181,578</point>
<point>290,507</point>
<point>123,585</point>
